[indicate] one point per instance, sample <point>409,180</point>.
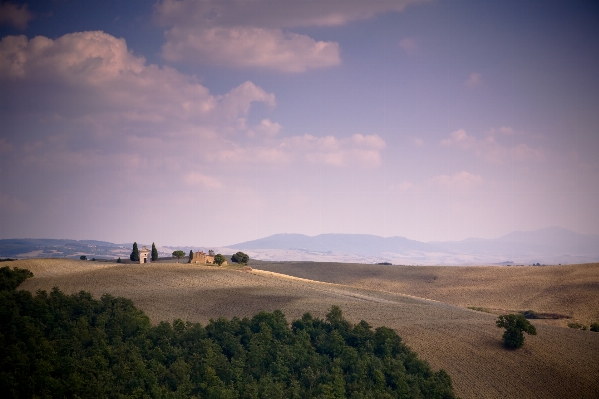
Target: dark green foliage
<point>154,253</point>
<point>11,279</point>
<point>178,254</point>
<point>119,260</point>
<point>240,257</point>
<point>595,327</point>
<point>134,253</point>
<point>57,345</point>
<point>219,259</point>
<point>515,325</point>
<point>190,255</point>
<point>577,326</point>
<point>83,257</point>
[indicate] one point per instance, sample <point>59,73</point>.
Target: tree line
<point>58,345</point>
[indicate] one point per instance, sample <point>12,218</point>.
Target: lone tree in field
<point>178,254</point>
<point>119,260</point>
<point>190,255</point>
<point>135,253</point>
<point>515,325</point>
<point>154,253</point>
<point>219,259</point>
<point>83,257</point>
<point>240,257</point>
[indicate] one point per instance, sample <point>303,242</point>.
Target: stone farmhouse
<point>202,257</point>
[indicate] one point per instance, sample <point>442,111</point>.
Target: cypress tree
<point>154,253</point>
<point>135,253</point>
<point>190,255</point>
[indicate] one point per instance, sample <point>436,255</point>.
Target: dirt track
<point>557,363</point>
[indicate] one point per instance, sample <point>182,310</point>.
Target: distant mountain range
<point>551,245</point>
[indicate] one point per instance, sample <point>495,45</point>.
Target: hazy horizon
<point>212,123</point>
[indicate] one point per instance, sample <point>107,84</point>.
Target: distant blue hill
<point>552,242</point>
<point>363,244</point>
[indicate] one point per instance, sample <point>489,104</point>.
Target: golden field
<point>571,290</point>
<point>557,363</point>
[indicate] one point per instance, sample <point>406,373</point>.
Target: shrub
<point>577,326</point>
<point>515,325</point>
<point>479,309</point>
<point>83,257</point>
<point>595,326</point>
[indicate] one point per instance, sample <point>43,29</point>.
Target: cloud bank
<point>256,34</point>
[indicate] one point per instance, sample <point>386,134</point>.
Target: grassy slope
<point>557,363</point>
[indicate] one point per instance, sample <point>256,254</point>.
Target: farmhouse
<point>202,257</point>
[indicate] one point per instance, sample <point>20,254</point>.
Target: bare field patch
<point>557,363</point>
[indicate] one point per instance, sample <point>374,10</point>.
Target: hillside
<point>571,290</point>
<point>557,363</point>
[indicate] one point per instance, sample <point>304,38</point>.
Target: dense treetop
<point>58,345</point>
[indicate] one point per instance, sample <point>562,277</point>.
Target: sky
<point>214,122</point>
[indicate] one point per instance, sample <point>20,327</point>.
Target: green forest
<point>74,346</point>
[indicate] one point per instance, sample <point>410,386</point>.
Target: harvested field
<point>571,290</point>
<point>557,363</point>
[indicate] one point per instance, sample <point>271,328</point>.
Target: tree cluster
<point>58,345</point>
<point>240,257</point>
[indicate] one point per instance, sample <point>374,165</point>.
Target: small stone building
<point>202,257</point>
<point>143,255</point>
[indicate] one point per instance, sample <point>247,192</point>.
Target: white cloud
<point>474,80</point>
<point>408,45</point>
<point>418,142</point>
<point>364,150</point>
<point>250,47</point>
<point>104,85</point>
<point>458,181</point>
<point>490,149</point>
<point>266,128</point>
<point>196,178</point>
<point>14,15</point>
<point>255,34</point>
<point>360,150</point>
<point>271,14</point>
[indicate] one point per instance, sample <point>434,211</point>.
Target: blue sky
<point>211,122</point>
